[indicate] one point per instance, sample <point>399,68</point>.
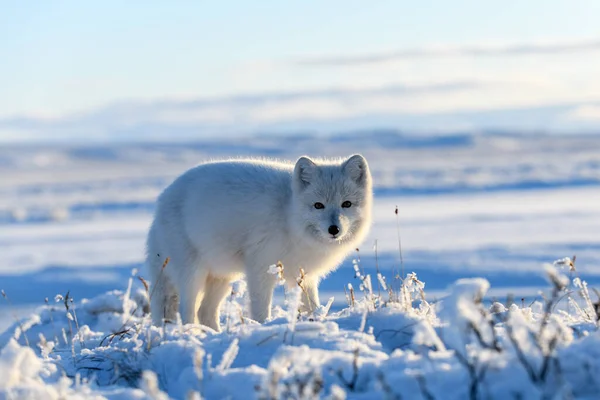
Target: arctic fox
<point>225,219</point>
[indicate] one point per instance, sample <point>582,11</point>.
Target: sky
<point>109,66</point>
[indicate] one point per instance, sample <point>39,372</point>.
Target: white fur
<point>223,219</point>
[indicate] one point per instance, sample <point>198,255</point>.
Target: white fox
<point>221,220</point>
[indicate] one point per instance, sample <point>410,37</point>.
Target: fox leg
<point>191,288</point>
<point>215,291</point>
<point>163,301</point>
<point>260,288</point>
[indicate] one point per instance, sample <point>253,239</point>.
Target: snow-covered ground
<point>73,218</point>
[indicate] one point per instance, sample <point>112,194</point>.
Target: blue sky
<point>63,59</point>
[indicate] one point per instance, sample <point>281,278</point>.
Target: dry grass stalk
<point>71,300</point>
<point>300,282</point>
<point>401,277</point>
<point>352,298</point>
<point>17,321</point>
<point>347,297</point>
<point>50,310</point>
<point>162,269</point>
<point>378,272</point>
<point>69,317</point>
<point>351,384</point>
<point>146,285</point>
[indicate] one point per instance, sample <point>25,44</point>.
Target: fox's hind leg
<point>191,288</point>
<point>215,291</point>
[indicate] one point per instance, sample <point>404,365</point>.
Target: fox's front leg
<point>260,288</point>
<point>310,295</point>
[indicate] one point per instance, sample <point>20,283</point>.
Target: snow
<point>454,349</point>
<point>493,304</point>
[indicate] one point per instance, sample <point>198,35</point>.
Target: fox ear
<point>304,171</point>
<point>356,168</point>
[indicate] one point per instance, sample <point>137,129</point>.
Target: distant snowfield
<point>449,223</point>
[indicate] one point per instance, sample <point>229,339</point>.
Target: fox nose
<point>333,230</point>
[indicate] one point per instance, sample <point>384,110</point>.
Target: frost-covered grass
<point>390,342</point>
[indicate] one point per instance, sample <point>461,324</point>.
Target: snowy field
<point>73,218</point>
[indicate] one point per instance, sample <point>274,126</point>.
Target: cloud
<point>327,93</point>
<point>232,113</point>
<point>243,108</point>
<point>588,112</point>
<point>523,49</point>
<point>442,106</point>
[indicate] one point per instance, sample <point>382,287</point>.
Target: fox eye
<point>346,204</point>
<point>319,206</point>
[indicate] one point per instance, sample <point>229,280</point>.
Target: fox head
<point>332,200</point>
